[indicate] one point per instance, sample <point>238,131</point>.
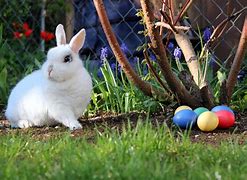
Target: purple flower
<point>119,67</point>
<point>136,59</point>
<point>124,48</point>
<point>113,66</point>
<point>206,34</point>
<point>145,70</point>
<point>103,53</point>
<point>177,53</point>
<point>170,47</point>
<point>99,74</point>
<point>241,76</point>
<point>152,57</point>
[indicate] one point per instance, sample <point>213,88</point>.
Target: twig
<point>168,21</point>
<point>221,27</point>
<point>183,10</point>
<point>168,26</point>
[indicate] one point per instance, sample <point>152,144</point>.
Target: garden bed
<point>104,122</point>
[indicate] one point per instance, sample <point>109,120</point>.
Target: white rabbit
<point>57,93</point>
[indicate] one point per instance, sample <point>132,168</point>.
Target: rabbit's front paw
<point>21,124</point>
<point>75,125</point>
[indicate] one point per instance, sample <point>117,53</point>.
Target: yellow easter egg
<point>182,108</point>
<point>207,121</point>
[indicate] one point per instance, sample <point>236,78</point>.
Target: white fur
<point>57,93</point>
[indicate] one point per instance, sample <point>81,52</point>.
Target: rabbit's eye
<point>67,59</point>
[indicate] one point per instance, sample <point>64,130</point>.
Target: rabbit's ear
<point>60,35</point>
<point>77,41</point>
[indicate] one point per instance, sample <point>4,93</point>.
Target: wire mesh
<point>43,16</point>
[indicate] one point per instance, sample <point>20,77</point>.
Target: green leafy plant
<point>113,92</point>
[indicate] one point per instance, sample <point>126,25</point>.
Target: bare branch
<point>167,26</point>
<point>221,27</point>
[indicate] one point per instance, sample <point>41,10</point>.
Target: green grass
<point>143,152</point>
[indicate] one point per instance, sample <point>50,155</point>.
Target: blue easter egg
<point>222,107</point>
<point>185,118</point>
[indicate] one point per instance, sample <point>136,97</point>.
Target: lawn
<point>139,151</point>
<point>128,132</point>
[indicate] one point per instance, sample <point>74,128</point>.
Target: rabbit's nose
<point>50,68</point>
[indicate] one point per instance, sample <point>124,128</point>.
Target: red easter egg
<point>226,119</point>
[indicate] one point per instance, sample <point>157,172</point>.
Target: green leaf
<point>221,76</point>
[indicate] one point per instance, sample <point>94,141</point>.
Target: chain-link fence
<point>29,25</point>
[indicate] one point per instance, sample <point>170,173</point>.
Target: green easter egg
<point>200,110</point>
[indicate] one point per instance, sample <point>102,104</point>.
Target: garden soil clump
<point>100,123</point>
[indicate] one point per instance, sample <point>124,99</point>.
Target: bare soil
<point>98,124</point>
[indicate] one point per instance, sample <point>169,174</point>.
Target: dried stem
<point>130,73</point>
<point>158,48</point>
<point>238,60</point>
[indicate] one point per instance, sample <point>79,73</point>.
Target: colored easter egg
<point>182,108</point>
<point>207,121</point>
<point>222,107</point>
<point>226,119</point>
<point>200,110</point>
<point>185,118</point>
